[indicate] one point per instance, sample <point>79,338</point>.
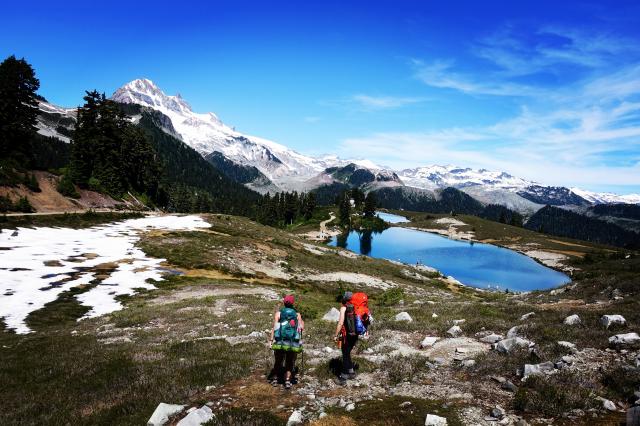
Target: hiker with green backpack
<point>354,321</point>
<point>286,336</point>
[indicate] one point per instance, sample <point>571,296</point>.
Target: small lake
<point>476,264</point>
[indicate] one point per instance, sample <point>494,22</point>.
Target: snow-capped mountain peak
<point>436,176</point>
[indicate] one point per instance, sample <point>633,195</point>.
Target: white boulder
<point>624,339</point>
<point>492,338</point>
<point>572,320</point>
<point>428,341</point>
<point>527,316</point>
<point>162,413</point>
<point>458,322</point>
<point>404,316</point>
<point>609,320</point>
<point>433,420</point>
<point>454,331</point>
<point>507,345</point>
<point>434,315</point>
<point>513,332</point>
<point>537,369</point>
<point>197,417</point>
<point>332,315</point>
<point>295,418</point>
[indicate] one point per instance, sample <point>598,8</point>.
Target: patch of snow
<point>41,263</point>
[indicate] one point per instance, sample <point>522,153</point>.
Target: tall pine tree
<point>18,105</point>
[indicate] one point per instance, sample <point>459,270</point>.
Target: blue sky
<point>548,91</point>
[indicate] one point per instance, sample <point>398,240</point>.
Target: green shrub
<point>5,204</point>
<point>622,381</point>
<point>390,297</point>
<point>94,184</point>
<point>553,395</point>
<point>31,183</point>
<point>67,188</point>
<point>404,368</point>
<point>24,206</point>
<point>307,312</point>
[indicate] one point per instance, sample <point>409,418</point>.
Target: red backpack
<point>358,316</point>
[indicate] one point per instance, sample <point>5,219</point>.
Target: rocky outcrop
<point>624,339</point>
<point>404,316</point>
<point>609,320</point>
<point>572,320</point>
<point>433,420</point>
<point>507,345</point>
<point>197,417</point>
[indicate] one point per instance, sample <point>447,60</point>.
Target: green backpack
<point>287,335</point>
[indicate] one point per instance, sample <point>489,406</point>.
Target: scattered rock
<point>537,369</point>
<point>609,320</point>
<point>624,339</point>
<point>454,331</point>
<point>497,412</point>
<point>434,315</point>
<point>509,386</point>
<point>295,418</point>
<point>162,413</point>
<point>524,318</point>
<point>458,322</point>
<point>428,341</point>
<point>492,338</point>
<point>405,404</point>
<point>433,420</point>
<point>332,315</point>
<point>350,407</point>
<point>608,405</point>
<point>506,345</point>
<point>404,316</point>
<point>468,363</point>
<point>197,417</point>
<point>568,359</point>
<point>572,320</point>
<point>513,332</point>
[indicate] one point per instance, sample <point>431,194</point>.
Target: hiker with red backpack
<point>285,340</point>
<point>354,321</point>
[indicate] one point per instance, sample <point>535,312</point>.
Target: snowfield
<point>38,264</point>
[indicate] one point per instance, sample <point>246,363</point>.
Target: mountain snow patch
<point>38,264</point>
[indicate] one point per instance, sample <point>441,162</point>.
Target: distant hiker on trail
<point>286,342</point>
<point>354,321</point>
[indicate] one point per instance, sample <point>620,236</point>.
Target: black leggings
<point>289,359</point>
<point>347,346</point>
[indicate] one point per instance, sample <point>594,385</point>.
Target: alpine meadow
<point>439,223</point>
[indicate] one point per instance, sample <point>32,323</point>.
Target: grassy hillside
<point>201,337</point>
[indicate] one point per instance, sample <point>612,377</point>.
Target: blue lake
<point>475,264</point>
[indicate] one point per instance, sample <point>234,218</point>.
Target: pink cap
<point>288,299</point>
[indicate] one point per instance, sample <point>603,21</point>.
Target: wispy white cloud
<point>588,134</point>
<point>312,119</point>
<point>383,102</point>
<point>441,74</point>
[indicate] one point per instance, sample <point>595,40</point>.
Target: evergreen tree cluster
<point>111,154</point>
<point>565,223</point>
<point>286,208</point>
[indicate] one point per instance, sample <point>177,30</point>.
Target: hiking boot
<point>287,384</point>
<point>342,379</point>
<point>274,381</point>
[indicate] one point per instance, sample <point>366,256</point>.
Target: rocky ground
<point>438,351</point>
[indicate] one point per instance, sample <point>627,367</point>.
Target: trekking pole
<point>302,363</point>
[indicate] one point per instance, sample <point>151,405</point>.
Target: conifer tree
<point>370,205</point>
<point>18,105</point>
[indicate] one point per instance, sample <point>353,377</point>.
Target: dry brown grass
<point>333,420</point>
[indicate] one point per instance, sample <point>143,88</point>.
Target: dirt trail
<point>324,232</point>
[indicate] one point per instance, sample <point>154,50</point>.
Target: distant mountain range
<point>266,166</point>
